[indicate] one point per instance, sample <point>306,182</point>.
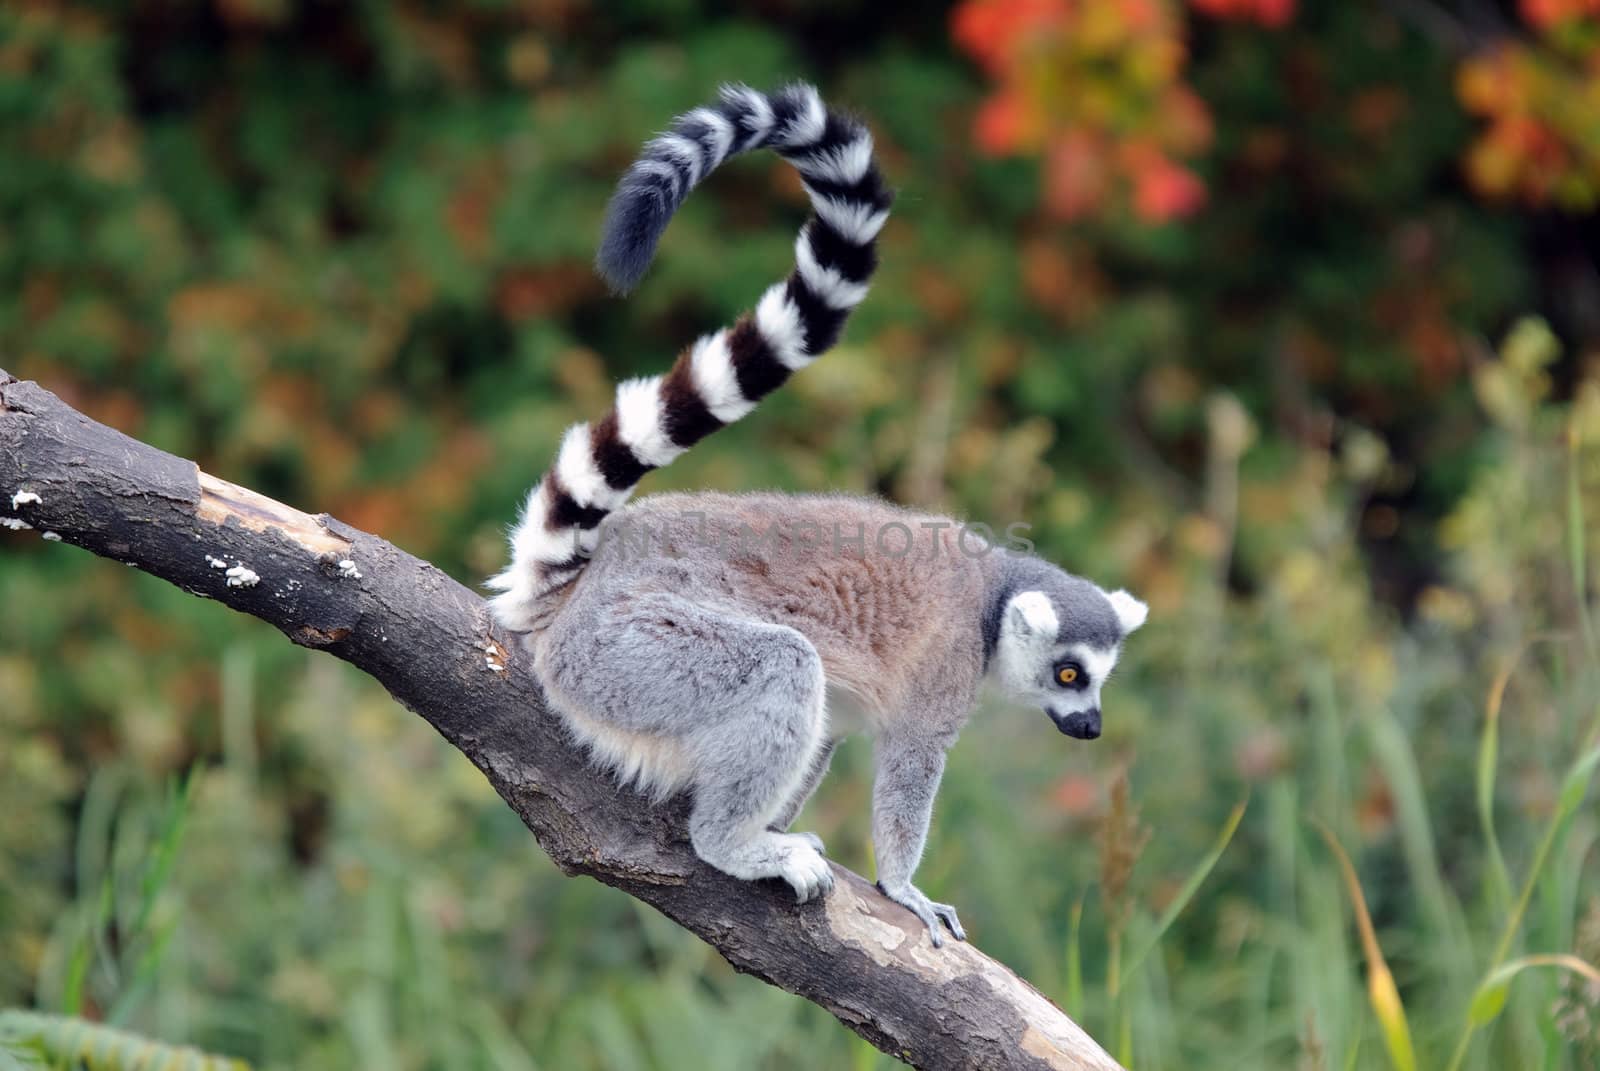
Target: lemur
<point>722,644</point>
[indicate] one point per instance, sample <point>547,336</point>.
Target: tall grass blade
<point>77,975</point>
<point>1574,786</point>
<point>1381,991</point>
<point>1490,998</point>
<point>1075,961</point>
<point>164,855</point>
<point>1577,553</point>
<point>144,976</point>
<point>503,1049</point>
<point>1190,887</point>
<point>1488,759</point>
<point>1399,764</point>
<point>1353,1061</point>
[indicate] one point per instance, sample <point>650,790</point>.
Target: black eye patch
<point>1071,675</point>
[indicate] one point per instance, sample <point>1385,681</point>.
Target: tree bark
<point>432,644</point>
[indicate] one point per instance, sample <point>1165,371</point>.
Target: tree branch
<point>431,643</point>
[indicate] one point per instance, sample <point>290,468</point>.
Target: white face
<point>1064,678</point>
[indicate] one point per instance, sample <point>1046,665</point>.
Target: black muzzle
<point>1082,725</point>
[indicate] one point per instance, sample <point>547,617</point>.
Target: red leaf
<point>1164,191</point>
<point>1001,123</point>
<point>1075,175</point>
<point>990,29</point>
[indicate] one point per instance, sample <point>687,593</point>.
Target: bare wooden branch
<point>430,642</point>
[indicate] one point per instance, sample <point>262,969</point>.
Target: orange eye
<point>1067,674</point>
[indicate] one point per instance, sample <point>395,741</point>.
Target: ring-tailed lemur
<point>720,644</point>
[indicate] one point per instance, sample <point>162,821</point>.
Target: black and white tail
<point>722,376</point>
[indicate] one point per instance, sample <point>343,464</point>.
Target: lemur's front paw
<point>911,898</point>
<point>803,866</point>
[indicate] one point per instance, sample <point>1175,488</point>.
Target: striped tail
<point>722,376</point>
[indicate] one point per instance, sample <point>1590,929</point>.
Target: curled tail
<point>723,375</point>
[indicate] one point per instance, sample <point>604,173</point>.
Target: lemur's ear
<point>1032,614</point>
<point>1129,610</point>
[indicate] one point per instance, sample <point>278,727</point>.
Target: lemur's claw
<point>934,916</point>
<point>817,891</point>
<point>947,915</point>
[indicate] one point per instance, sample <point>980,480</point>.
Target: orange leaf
<point>1547,13</point>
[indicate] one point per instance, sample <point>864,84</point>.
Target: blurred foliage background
<point>1286,315</point>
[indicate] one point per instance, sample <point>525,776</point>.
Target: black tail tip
<point>635,220</point>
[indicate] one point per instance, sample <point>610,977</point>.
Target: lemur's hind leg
<point>742,700</point>
<point>808,786</point>
<point>754,763</point>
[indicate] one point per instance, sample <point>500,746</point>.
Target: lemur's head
<point>1058,640</point>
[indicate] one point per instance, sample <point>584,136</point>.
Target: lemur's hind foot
<point>794,857</point>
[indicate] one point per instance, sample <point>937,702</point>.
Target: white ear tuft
<point>1129,610</point>
<point>1032,614</point>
